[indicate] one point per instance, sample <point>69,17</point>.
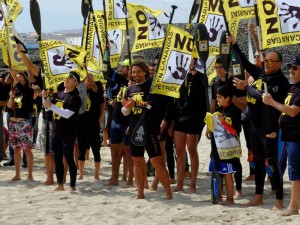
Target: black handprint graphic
<point>155,24</point>
<point>114,38</point>
<point>292,12</point>
<point>180,72</point>
<point>61,61</point>
<point>122,6</point>
<point>213,29</point>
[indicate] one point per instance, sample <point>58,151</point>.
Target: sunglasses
<point>290,67</point>
<point>270,61</point>
<point>72,76</point>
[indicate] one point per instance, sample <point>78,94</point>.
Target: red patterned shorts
<point>20,134</point>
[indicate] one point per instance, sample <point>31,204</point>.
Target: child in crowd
<point>227,126</point>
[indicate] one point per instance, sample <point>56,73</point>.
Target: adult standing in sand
<point>19,106</point>
<point>138,95</point>
<point>188,124</point>
<point>290,124</point>
<point>264,120</point>
<point>65,107</point>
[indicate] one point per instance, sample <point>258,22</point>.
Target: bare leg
<point>116,151</point>
<point>17,159</point>
<point>180,143</point>
<point>229,189</point>
<point>164,158</point>
<point>76,154</point>
<point>162,173</point>
<point>97,169</point>
<point>127,156</point>
<point>125,166</point>
<point>140,173</point>
<point>81,169</point>
<point>295,194</point>
<point>87,154</point>
<point>66,168</point>
<point>29,157</point>
<point>49,164</point>
<point>192,141</point>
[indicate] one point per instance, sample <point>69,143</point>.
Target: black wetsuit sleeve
<point>253,70</point>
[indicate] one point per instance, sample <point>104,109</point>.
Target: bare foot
<point>15,178</point>
<point>172,181</point>
<point>278,205</point>
<point>124,180</point>
<point>255,202</point>
<point>238,194</point>
<point>48,182</point>
<point>80,177</point>
<point>227,202</point>
<point>146,186</point>
<point>192,190</point>
<point>129,184</point>
<point>96,178</point>
<point>29,179</point>
<point>178,189</point>
<point>250,178</point>
<point>112,183</point>
<point>152,188</point>
<point>169,197</point>
<point>141,196</point>
<point>59,188</point>
<point>72,189</point>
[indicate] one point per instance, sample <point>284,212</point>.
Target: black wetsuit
<point>263,121</point>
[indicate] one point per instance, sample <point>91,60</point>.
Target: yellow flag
<point>239,9</point>
<point>117,12</point>
<point>210,67</point>
<point>174,64</point>
<point>116,39</point>
<point>148,31</point>
<point>212,17</point>
<point>280,22</point>
<point>58,60</point>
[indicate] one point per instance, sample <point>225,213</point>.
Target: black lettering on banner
<point>142,19</point>
<point>233,3</point>
<point>182,42</point>
<point>269,9</point>
<point>213,4</point>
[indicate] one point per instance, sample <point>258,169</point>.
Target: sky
<point>66,14</point>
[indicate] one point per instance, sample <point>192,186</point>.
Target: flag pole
<point>127,33</point>
<point>260,46</point>
<point>96,27</point>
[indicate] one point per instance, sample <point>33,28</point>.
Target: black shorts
<point>189,126</point>
<point>152,147</point>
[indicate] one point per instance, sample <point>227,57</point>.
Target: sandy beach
<point>94,203</point>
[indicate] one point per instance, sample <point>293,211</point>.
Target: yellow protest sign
<point>148,31</point>
<point>280,22</point>
<point>174,64</point>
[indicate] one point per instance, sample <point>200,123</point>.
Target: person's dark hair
<point>218,60</point>
<point>279,55</point>
<point>143,65</point>
<point>225,91</point>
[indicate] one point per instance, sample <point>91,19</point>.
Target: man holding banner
<point>264,126</point>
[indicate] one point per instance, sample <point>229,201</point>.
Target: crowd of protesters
<point>74,114</point>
